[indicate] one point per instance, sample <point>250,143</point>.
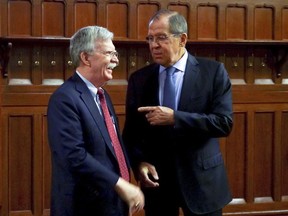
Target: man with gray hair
<point>176,110</point>
<point>90,168</point>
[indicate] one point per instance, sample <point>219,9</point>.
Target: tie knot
<point>100,92</point>
<point>170,71</point>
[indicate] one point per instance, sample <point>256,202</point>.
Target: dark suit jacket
<point>190,148</point>
<point>84,166</point>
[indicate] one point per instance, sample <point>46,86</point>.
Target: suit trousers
<point>167,198</point>
<point>159,202</point>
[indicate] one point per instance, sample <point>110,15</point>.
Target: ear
<point>84,58</point>
<point>183,39</point>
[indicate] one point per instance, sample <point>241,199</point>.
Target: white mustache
<point>112,66</point>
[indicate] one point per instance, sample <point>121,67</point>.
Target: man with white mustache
<point>87,178</point>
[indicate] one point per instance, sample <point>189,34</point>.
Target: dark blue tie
<point>169,94</point>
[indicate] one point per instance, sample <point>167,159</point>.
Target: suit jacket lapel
<point>189,79</point>
<point>93,109</point>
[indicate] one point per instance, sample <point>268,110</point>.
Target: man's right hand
<point>131,194</point>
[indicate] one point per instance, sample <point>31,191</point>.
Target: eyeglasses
<point>159,38</point>
<point>111,54</point>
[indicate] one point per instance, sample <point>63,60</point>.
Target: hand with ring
<point>137,204</point>
<point>131,194</point>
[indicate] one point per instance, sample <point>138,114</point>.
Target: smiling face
<point>165,48</point>
<point>97,66</point>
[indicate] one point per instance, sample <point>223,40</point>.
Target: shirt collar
<point>89,85</point>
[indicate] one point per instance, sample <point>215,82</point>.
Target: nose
<point>154,43</point>
<point>115,59</point>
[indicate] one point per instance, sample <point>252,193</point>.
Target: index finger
<point>146,108</point>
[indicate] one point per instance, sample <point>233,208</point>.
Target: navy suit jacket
<point>190,148</point>
<point>84,165</point>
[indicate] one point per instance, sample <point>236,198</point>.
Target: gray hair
<point>85,39</point>
<point>177,23</point>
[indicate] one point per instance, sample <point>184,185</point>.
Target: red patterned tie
<point>114,138</point>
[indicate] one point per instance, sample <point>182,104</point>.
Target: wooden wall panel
<point>36,65</point>
<point>264,25</point>
<point>241,34</point>
<point>46,172</point>
<point>85,14</point>
<point>262,71</point>
<point>263,155</point>
<point>138,56</point>
<point>284,23</point>
<point>118,12</point>
<point>27,162</point>
<point>63,18</point>
<point>20,162</point>
<point>234,60</point>
<point>20,66</point>
<point>236,159</point>
<point>143,58</point>
<point>20,24</point>
<point>207,22</point>
<point>284,156</point>
<point>39,65</point>
<point>207,51</point>
<point>53,65</point>
<point>235,22</point>
<point>53,18</point>
<point>145,11</point>
<point>284,73</point>
<point>252,152</point>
